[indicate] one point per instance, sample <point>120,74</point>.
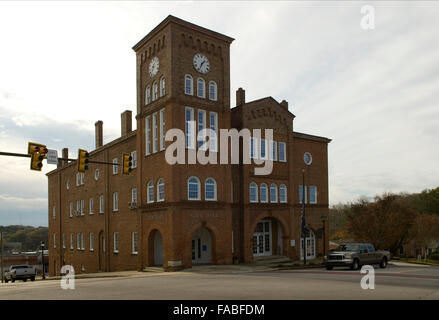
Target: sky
<point>64,65</point>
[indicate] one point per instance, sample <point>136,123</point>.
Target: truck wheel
<point>355,265</point>
<point>32,279</point>
<point>329,267</point>
<point>12,280</point>
<point>24,279</point>
<point>383,263</point>
<point>6,280</point>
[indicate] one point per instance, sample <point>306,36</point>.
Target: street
<point>398,281</point>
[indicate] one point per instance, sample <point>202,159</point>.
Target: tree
<point>425,231</point>
<point>385,223</point>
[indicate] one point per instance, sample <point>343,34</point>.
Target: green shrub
<point>434,256</point>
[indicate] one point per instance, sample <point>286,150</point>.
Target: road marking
<point>387,274</point>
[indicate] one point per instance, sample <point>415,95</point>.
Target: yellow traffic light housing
<point>38,153</point>
<point>82,160</point>
<point>127,163</point>
<point>37,147</point>
<point>36,162</point>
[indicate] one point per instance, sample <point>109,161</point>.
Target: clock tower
<point>183,74</point>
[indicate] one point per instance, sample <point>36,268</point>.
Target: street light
<point>323,219</point>
<point>42,258</point>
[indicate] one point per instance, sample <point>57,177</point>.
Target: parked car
<point>20,272</point>
<point>355,255</point>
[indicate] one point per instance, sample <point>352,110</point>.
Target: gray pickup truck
<point>354,255</point>
<point>21,272</point>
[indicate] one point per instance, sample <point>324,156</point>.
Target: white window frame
<point>214,190</point>
<point>255,186</point>
<point>284,158</point>
<point>191,91</point>
<point>254,146</point>
<point>78,179</point>
<point>150,196</point>
<point>82,207</point>
<point>203,95</point>
<point>189,130</point>
<point>154,133</point>
<point>82,241</point>
<point>312,201</point>
<point>82,178</point>
<point>134,159</point>
<point>214,139</point>
<point>63,240</point>
<point>160,183</point>
<point>215,91</point>
<point>283,187</point>
<point>115,166</point>
<point>92,240</point>
<point>101,204</point>
<point>267,193</point>
<point>155,93</point>
<point>97,174</point>
<point>273,150</point>
<point>54,240</point>
<point>115,201</point>
<point>162,87</point>
<point>78,241</point>
<point>264,143</point>
<point>116,242</point>
<point>147,95</point>
<point>148,135</point>
<point>90,206</point>
<point>277,193</point>
<point>162,130</point>
<point>71,209</point>
<point>134,195</point>
<point>201,125</point>
<point>134,243</point>
<point>198,198</point>
<point>72,244</point>
<point>78,206</point>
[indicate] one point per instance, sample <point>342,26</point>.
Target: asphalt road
<point>395,282</point>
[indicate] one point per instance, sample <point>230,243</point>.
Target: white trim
<point>132,243</point>
<point>160,182</point>
<point>215,97</point>
<point>191,93</point>
<point>214,189</point>
<point>148,135</point>
<point>115,201</point>
<point>284,159</point>
<point>198,189</point>
<point>115,167</point>
<point>116,242</point>
<point>254,184</point>
<point>150,184</point>
<point>203,88</point>
<point>154,133</point>
<point>162,130</point>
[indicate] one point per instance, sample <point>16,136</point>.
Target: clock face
<point>307,158</point>
<point>201,63</point>
<point>153,67</point>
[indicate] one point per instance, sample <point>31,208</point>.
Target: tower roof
<point>172,19</point>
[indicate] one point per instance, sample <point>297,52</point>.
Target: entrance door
<point>262,242</point>
<point>201,246</point>
<point>158,249</point>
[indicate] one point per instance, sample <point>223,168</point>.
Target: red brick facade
<point>176,232</point>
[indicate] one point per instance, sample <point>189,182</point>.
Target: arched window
<point>273,193</point>
<point>148,95</point>
<point>150,191</point>
<point>210,189</point>
<point>310,246</point>
<point>213,91</point>
<point>283,193</point>
<point>162,86</point>
<point>188,85</point>
<point>201,88</point>
<point>264,191</point>
<point>154,91</point>
<point>193,188</point>
<point>253,192</point>
<point>161,190</point>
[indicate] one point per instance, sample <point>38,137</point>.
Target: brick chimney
<point>240,97</point>
<point>126,122</point>
<point>65,155</point>
<point>284,104</point>
<point>98,133</point>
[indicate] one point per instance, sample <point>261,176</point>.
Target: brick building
<point>184,214</point>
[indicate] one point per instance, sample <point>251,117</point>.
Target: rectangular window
<point>301,194</point>
<point>273,150</point>
<point>134,248</point>
<point>53,212</point>
<point>78,207</point>
<point>148,135</point>
<point>312,194</point>
<point>162,130</point>
<point>134,195</point>
<point>154,133</point>
<point>81,178</point>
<point>214,131</point>
<point>263,149</point>
<point>115,201</point>
<point>78,241</point>
<point>134,159</point>
<point>116,242</point>
<point>78,179</point>
<point>71,241</point>
<point>189,128</point>
<point>71,209</point>
<point>82,207</point>
<point>115,166</point>
<point>282,152</point>
<point>201,126</point>
<point>82,241</point>
<point>101,204</point>
<point>54,240</point>
<point>90,206</point>
<point>63,241</point>
<point>92,240</point>
<point>253,148</point>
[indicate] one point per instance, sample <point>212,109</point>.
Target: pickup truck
<point>20,272</point>
<point>354,255</point>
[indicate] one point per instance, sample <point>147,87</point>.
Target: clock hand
<point>202,63</point>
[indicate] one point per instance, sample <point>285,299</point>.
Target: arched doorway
<point>310,245</point>
<point>268,238</point>
<point>155,248</point>
<point>201,246</point>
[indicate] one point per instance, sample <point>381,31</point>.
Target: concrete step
<point>271,259</point>
<point>153,269</point>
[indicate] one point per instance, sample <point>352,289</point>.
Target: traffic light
<point>127,163</point>
<point>82,160</point>
<point>38,153</point>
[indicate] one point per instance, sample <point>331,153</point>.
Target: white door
<point>262,239</point>
<point>158,249</point>
<point>201,246</point>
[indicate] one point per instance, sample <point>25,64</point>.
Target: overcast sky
<point>65,65</point>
